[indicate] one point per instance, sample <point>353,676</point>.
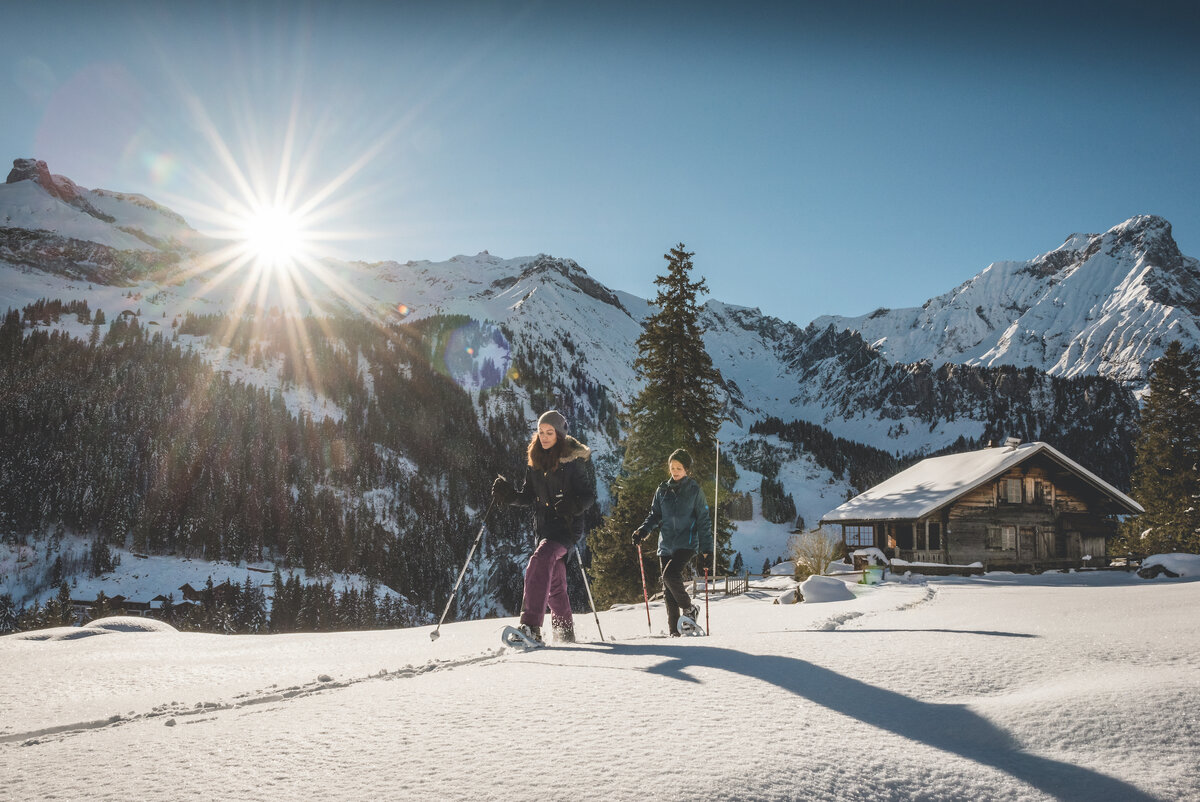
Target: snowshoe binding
<point>688,625</point>
<point>523,637</point>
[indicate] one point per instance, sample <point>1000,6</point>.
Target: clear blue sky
<point>819,158</point>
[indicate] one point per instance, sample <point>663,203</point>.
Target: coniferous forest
<point>139,441</point>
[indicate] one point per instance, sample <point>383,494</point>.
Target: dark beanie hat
<point>555,419</point>
<point>682,457</point>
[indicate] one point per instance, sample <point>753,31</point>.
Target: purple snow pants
<point>546,582</point>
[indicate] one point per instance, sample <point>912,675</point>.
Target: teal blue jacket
<point>680,514</point>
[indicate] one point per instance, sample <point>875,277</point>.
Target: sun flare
<point>274,237</point>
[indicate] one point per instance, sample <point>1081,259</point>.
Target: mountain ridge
<point>501,340</point>
<point>1105,304</point>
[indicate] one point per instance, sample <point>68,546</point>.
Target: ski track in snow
<point>180,710</point>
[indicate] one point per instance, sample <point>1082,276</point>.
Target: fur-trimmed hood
<point>573,449</point>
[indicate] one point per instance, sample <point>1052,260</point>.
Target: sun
<point>274,237</point>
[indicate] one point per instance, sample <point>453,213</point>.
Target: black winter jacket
<point>680,514</point>
<point>559,497</point>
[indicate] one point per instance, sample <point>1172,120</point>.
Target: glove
<point>638,536</point>
<point>705,559</point>
<point>502,491</point>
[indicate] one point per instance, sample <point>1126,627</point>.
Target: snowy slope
<point>1002,687</point>
<point>1105,304</point>
<point>26,205</point>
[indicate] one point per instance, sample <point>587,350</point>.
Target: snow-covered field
<point>1068,686</point>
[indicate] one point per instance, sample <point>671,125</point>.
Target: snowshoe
<point>523,637</point>
<point>687,624</point>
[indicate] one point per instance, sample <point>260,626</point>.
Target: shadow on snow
<point>950,727</point>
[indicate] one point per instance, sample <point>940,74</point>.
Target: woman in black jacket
<point>559,489</point>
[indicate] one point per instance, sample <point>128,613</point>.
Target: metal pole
<point>579,557</point>
<point>645,593</point>
<point>436,633</point>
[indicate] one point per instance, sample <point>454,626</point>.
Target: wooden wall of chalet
<point>1051,522</point>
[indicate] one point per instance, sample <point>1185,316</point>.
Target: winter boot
<point>564,629</point>
<point>533,633</point>
<point>693,613</point>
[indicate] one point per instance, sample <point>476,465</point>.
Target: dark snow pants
<point>546,583</point>
<point>674,593</point>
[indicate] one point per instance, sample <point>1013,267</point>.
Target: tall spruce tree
<point>677,407</point>
<point>1166,474</point>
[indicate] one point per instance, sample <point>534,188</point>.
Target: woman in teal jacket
<point>680,514</point>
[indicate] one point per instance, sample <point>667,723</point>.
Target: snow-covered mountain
<point>1100,304</point>
<point>1048,349</point>
<point>50,224</point>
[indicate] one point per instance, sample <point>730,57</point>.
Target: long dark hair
<point>545,459</point>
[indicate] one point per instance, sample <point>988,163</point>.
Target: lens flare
<point>477,355</point>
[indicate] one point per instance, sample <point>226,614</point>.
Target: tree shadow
<point>950,727</point>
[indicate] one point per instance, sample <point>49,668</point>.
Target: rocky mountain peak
<point>61,187</point>
<point>38,172</point>
<point>1148,236</point>
<point>576,275</point>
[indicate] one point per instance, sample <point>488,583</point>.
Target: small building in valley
<point>1016,505</point>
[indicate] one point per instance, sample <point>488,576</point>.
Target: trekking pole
<point>436,634</point>
<point>716,506</point>
<point>645,594</point>
<point>707,626</point>
<point>579,557</point>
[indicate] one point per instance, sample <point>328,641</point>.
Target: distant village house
<point>1015,506</point>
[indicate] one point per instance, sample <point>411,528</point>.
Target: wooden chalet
<point>119,605</point>
<point>1013,506</point>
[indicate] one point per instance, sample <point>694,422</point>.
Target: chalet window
<point>1010,491</point>
<point>1001,538</point>
<point>859,536</point>
<point>1034,492</point>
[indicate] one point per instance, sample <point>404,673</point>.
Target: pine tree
<point>8,614</point>
<point>102,608</point>
<point>1165,477</point>
<point>677,407</point>
<point>64,613</point>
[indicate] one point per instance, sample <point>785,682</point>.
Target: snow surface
<point>1075,686</point>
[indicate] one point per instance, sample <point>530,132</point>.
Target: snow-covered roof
<point>937,481</point>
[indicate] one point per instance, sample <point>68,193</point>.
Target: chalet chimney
<point>1012,442</point>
